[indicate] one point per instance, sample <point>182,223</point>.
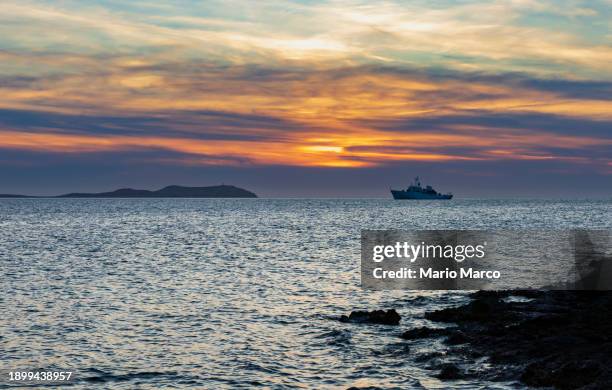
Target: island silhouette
<point>173,191</point>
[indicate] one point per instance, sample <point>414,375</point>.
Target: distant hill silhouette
<point>222,191</point>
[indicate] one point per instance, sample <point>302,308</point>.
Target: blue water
<point>226,293</point>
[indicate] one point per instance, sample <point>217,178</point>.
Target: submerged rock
<point>449,371</point>
<point>456,338</point>
<point>424,333</point>
<point>389,317</point>
<point>480,310</point>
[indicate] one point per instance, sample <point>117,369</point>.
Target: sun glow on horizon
<point>323,84</point>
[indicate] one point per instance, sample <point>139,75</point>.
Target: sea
<point>229,293</point>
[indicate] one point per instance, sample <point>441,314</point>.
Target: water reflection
<point>223,293</point>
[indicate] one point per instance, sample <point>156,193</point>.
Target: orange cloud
<point>336,150</point>
<point>329,89</point>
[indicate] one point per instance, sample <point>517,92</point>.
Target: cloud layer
<point>313,84</point>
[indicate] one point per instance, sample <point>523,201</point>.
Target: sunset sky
<point>307,98</point>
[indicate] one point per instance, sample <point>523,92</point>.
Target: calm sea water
<point>226,293</point>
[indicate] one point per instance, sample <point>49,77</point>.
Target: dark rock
<point>487,294</point>
<point>424,333</point>
<point>457,338</point>
<point>389,317</point>
<point>528,293</point>
<point>449,371</point>
<point>542,323</point>
<point>481,310</point>
<point>570,375</point>
<point>558,339</point>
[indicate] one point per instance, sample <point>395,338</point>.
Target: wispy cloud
<point>317,84</point>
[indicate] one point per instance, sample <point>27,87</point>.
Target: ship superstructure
<point>416,191</point>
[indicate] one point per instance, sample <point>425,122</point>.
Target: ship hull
<point>418,195</point>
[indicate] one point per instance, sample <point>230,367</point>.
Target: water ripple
<point>213,293</point>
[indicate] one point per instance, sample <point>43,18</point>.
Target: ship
<point>416,191</point>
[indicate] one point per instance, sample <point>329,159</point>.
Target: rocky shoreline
<point>554,339</point>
